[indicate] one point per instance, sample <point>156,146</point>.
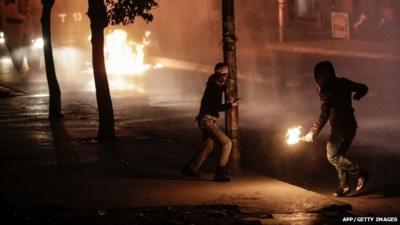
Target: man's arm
<point>224,107</point>
<point>323,118</point>
<point>359,89</point>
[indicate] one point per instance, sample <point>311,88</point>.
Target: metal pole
<point>281,4</point>
<point>229,49</point>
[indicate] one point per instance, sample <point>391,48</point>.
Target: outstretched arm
<point>224,107</point>
<point>359,89</point>
<point>320,123</point>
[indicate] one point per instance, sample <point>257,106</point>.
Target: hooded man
<point>211,105</point>
<point>336,106</point>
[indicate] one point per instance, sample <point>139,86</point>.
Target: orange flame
<point>293,135</point>
<point>124,57</point>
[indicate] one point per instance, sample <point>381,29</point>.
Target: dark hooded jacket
<point>211,103</point>
<point>336,99</point>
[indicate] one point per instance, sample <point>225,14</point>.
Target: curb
<point>332,52</point>
<point>4,92</point>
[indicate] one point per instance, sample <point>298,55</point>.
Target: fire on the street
<point>293,135</point>
<point>125,59</point>
<point>123,56</point>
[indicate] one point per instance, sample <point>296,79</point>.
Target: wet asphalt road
<point>169,102</point>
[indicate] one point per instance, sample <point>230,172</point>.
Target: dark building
<point>378,17</point>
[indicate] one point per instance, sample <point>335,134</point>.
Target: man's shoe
<point>362,181</point>
<point>342,191</point>
<point>221,174</point>
<point>189,172</point>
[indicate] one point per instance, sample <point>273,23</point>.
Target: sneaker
<point>362,181</point>
<point>221,174</point>
<point>342,191</point>
<point>189,172</point>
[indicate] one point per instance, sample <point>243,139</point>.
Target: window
<point>307,9</point>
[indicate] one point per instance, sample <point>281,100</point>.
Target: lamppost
<point>229,49</point>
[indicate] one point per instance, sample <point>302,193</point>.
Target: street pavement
<point>63,164</point>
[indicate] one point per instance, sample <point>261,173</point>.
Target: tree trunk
<point>231,92</point>
<point>98,21</point>
<point>54,88</point>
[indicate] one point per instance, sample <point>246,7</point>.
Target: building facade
<point>368,19</point>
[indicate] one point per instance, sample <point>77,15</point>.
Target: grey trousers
<point>211,134</point>
<point>336,148</point>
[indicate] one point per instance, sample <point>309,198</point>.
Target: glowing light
<point>124,57</point>
<point>6,61</point>
<point>125,61</point>
<point>2,39</point>
<point>119,84</point>
<point>38,43</point>
<point>158,66</point>
<point>41,95</point>
<point>293,135</point>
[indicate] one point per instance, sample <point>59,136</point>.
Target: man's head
<point>324,72</point>
<point>221,70</point>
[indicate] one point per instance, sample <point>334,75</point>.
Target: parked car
<point>17,30</point>
<point>20,24</point>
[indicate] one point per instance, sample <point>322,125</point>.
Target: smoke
<point>274,84</point>
<point>275,80</point>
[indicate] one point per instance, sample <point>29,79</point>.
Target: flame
<point>125,57</point>
<point>38,43</point>
<point>293,135</point>
<point>119,84</point>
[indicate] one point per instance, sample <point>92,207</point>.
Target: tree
<point>102,13</point>
<point>54,88</point>
<point>126,11</point>
<point>98,21</point>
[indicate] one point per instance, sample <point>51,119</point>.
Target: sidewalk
<point>347,48</point>
<point>4,92</point>
<point>62,165</point>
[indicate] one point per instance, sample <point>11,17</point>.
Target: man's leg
<point>342,175</point>
<point>226,145</point>
<point>201,155</point>
<point>345,164</point>
<point>191,168</point>
<point>350,167</point>
<point>221,173</point>
<point>361,174</point>
<point>336,147</point>
<point>332,148</point>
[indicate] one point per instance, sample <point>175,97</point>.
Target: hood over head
<point>324,73</point>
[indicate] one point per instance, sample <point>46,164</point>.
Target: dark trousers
<point>336,148</point>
